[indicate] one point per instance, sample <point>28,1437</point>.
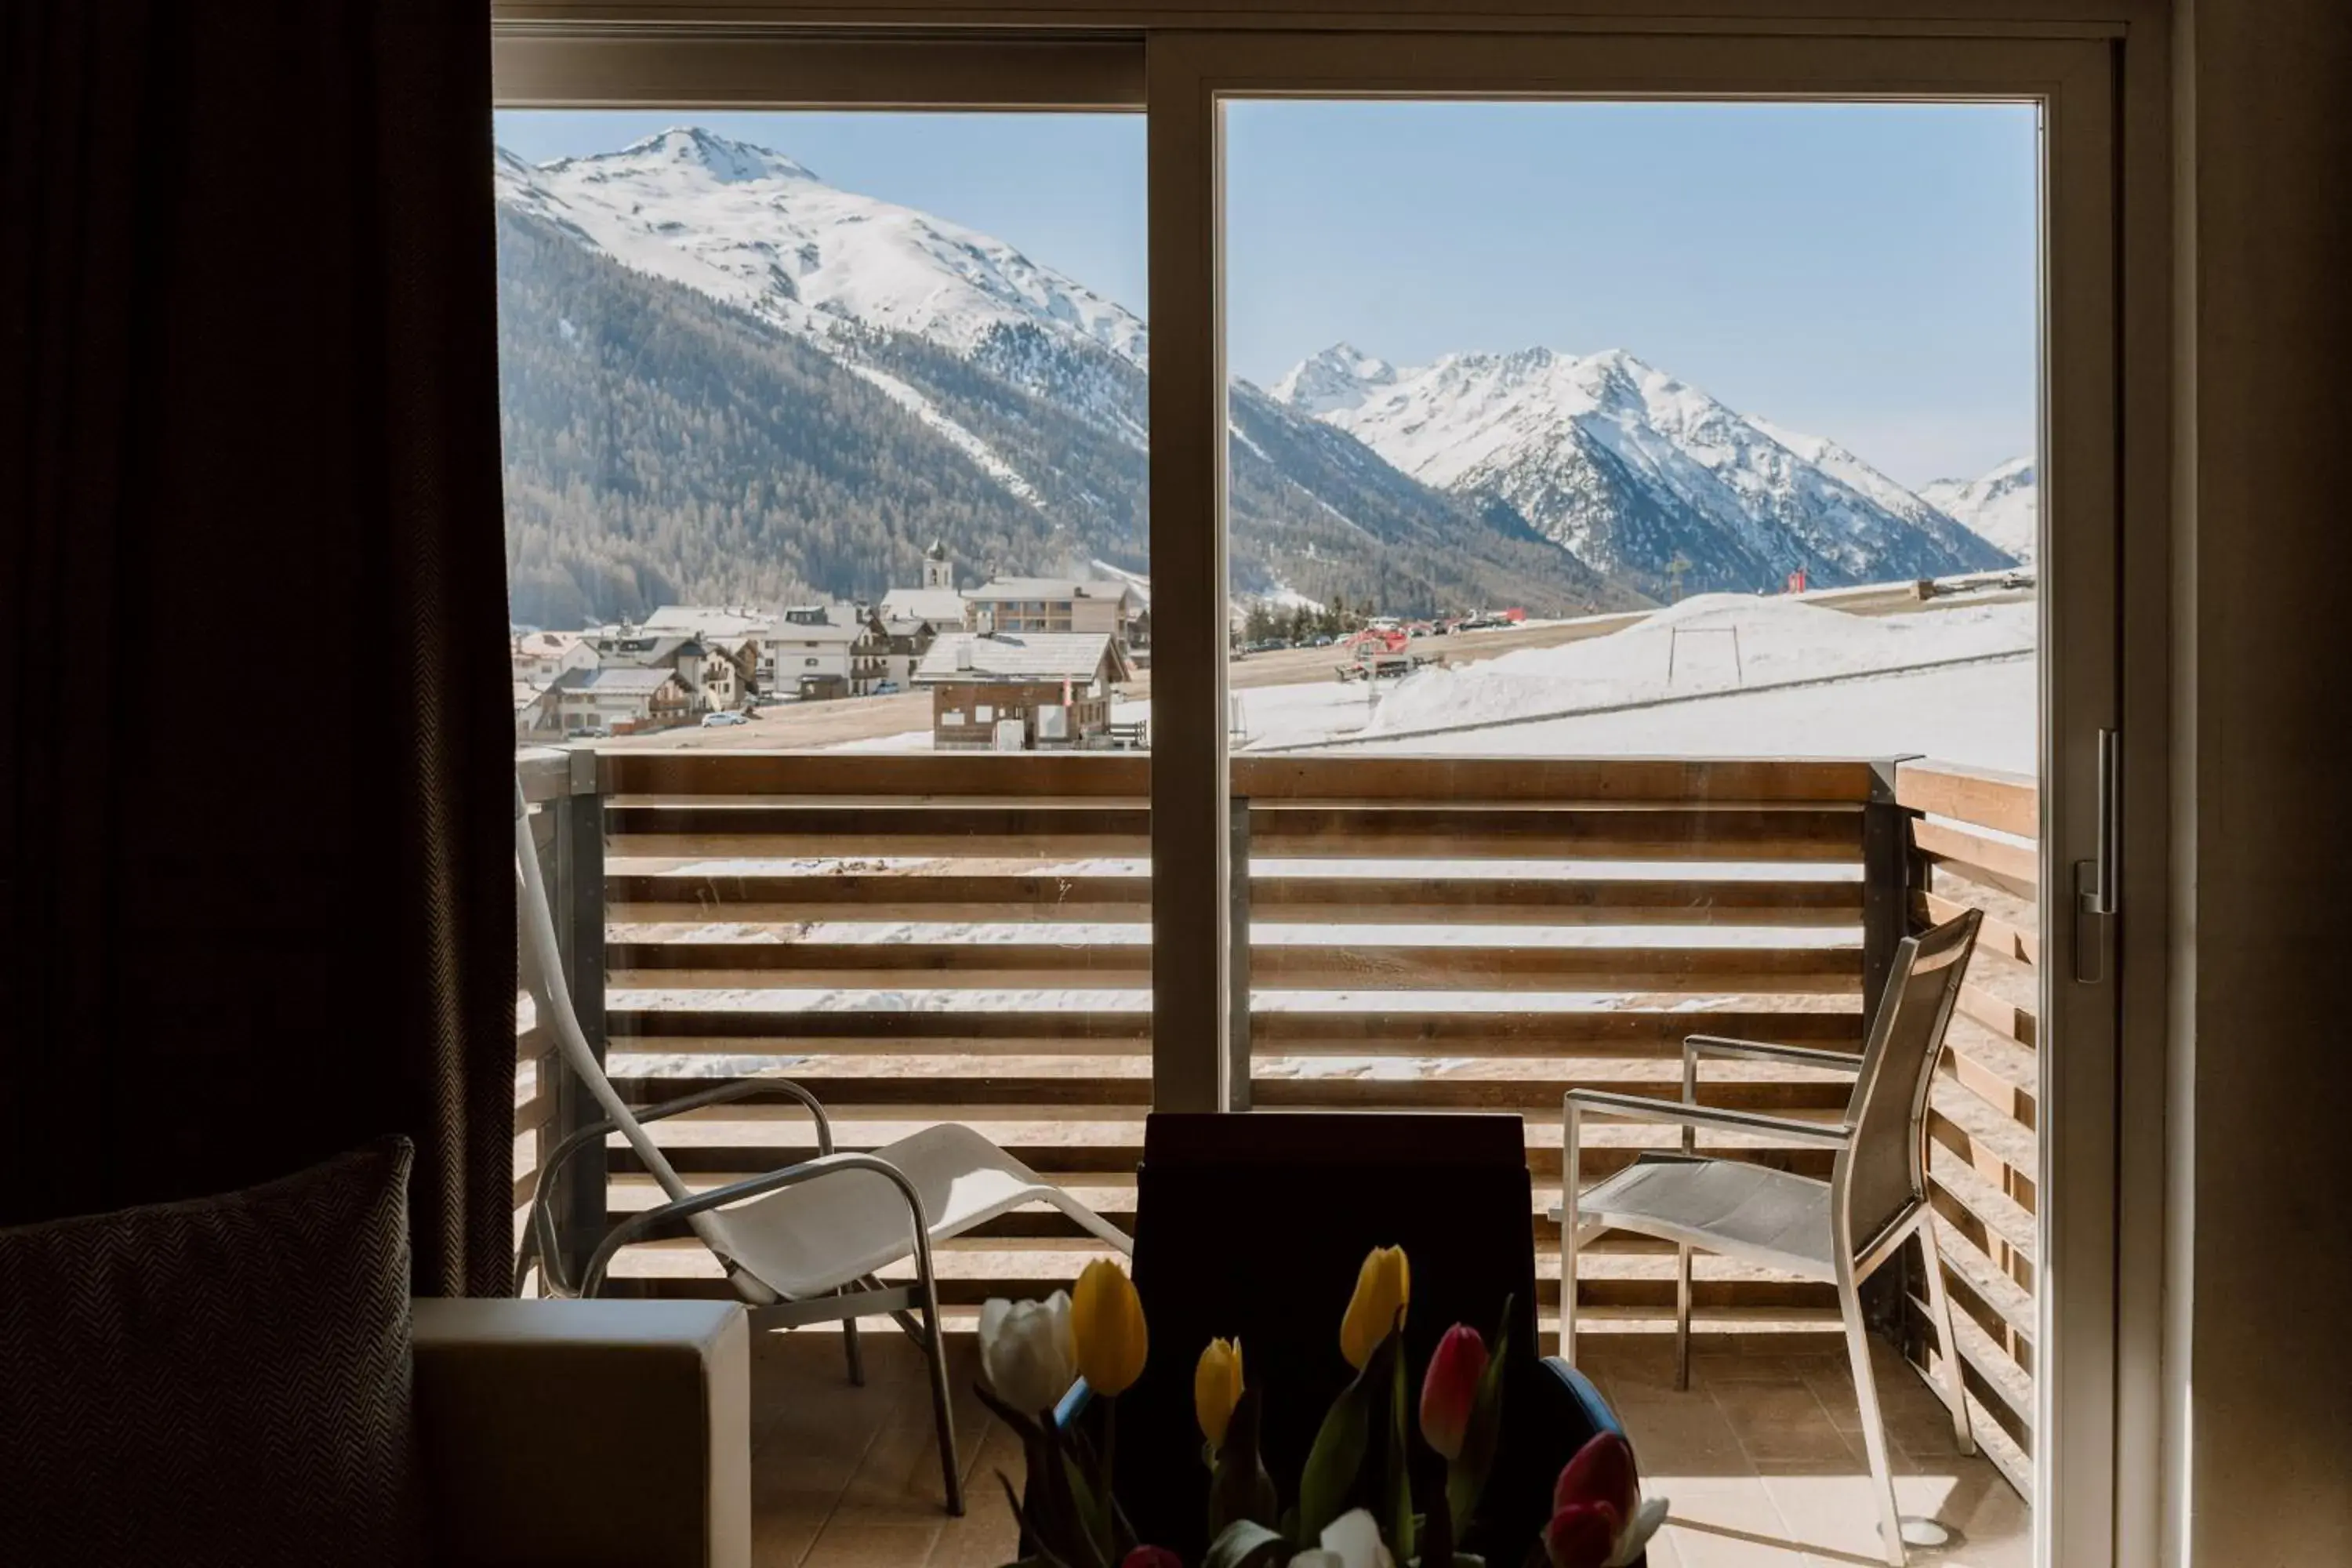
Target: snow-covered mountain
<point>1571,482</point>
<point>2004,506</point>
<point>754,228</point>
<point>1632,468</point>
<point>1014,376</point>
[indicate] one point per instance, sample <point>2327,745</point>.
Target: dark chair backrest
<point>1256,1223</point>
<point>1885,1170</point>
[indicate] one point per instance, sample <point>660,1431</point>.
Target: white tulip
<point>1350,1541</point>
<point>1026,1353</point>
<point>1645,1524</point>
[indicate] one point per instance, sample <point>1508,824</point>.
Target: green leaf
<point>1336,1459</point>
<point>1239,1486</point>
<point>1246,1544</point>
<point>1465,1478</point>
<point>1399,1481</point>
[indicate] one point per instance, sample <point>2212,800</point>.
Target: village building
<point>937,600</point>
<point>540,656</point>
<point>1025,691</point>
<point>735,634</point>
<point>618,702</point>
<point>1053,605</point>
<point>810,658</point>
<point>712,683</point>
<point>888,650</point>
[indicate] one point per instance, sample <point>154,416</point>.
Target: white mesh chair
<point>800,1245</point>
<point>1840,1230</point>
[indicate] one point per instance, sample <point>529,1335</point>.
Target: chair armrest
<point>1696,1045</point>
<point>1642,1108</point>
<point>539,1235</point>
<point>592,1433</point>
<point>592,1279</point>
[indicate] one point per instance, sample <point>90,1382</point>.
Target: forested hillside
<point>663,447</point>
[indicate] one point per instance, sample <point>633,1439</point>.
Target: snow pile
<point>1712,642</point>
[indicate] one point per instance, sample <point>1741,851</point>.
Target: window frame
<point>2101,68</point>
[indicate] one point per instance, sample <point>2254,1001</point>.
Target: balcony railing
<point>966,937</point>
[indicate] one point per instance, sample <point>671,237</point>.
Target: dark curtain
<point>258,889</point>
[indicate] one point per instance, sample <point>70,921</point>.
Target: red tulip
<point>1151,1557</point>
<point>1581,1535</point>
<point>1450,1391</point>
<point>1602,1472</point>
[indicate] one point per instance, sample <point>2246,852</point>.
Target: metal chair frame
<point>1852,1260</point>
<point>915,1307</point>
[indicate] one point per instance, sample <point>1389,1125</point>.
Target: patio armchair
<point>799,1245</point>
<point>1841,1230</point>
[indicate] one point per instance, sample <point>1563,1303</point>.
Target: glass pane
<point>825,454</point>
<point>1689,483</point>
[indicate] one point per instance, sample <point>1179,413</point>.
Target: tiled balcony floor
<point>1762,1458</point>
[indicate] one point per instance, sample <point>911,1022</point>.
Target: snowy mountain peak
<point>756,229</point>
<point>2002,505</point>
<point>722,158</point>
<point>1341,377</point>
<point>1629,468</point>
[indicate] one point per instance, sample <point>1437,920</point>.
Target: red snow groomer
<point>1377,653</point>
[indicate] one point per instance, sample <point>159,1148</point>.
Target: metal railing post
<point>1887,882</point>
<point>578,895</point>
<point>1238,967</point>
<point>1889,876</point>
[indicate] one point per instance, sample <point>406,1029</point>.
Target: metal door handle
<point>2097,881</point>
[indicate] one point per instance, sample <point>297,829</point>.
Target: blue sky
<point>1866,272</point>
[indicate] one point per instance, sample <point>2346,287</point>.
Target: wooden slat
<point>1675,779</point>
<point>697,965</point>
<point>1639,1033</point>
<point>776,773</point>
<point>993,1031</point>
<point>1995,936</point>
<point>2012,868</point>
<point>1003,1093</point>
<point>1578,832</point>
<point>798,830</point>
<point>783,773</point>
<point>2003,1018</point>
<point>2006,802</point>
<point>677,898</point>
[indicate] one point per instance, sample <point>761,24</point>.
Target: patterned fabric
<point>224,1381</point>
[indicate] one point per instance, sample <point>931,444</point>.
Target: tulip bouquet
<point>1356,1504</point>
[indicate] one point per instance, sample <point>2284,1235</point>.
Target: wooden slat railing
<point>1975,843</point>
<point>1599,910</point>
<point>966,936</point>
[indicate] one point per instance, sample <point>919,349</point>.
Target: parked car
<point>885,688</point>
<point>593,732</point>
<point>722,721</point>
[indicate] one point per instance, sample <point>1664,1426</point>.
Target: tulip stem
<point>1110,1501</point>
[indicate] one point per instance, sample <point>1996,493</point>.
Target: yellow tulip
<point>1383,1288</point>
<point>1217,1388</point>
<point>1106,1323</point>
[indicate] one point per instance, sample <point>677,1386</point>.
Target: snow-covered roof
<point>1048,588</point>
<point>941,606</point>
<point>615,682</point>
<point>1023,656</point>
<point>707,621</point>
<point>547,645</point>
<point>794,634</point>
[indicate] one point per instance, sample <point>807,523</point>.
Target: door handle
<point>2099,881</point>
